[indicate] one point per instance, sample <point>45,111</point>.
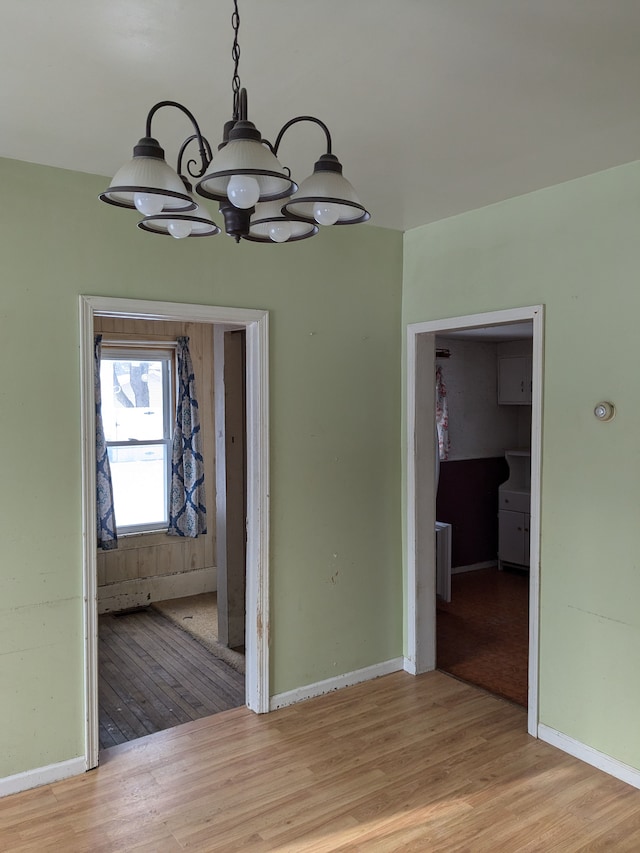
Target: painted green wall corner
<point>574,247</point>
<point>335,306</point>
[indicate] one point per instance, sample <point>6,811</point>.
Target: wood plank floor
<point>397,764</point>
<point>153,676</point>
<point>482,634</point>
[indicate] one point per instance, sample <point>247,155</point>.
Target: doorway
<point>255,324</point>
<point>483,384</point>
<point>164,656</point>
<point>421,498</point>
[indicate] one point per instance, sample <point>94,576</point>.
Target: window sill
<point>128,541</point>
<point>137,533</point>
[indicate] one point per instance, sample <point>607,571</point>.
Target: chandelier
<point>258,198</point>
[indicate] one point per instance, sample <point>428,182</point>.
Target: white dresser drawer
<point>516,501</point>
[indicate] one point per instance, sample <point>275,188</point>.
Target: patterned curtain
<point>442,415</point>
<point>187,508</point>
<point>105,512</point>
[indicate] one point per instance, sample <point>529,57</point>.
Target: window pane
<point>139,484</point>
<point>132,399</point>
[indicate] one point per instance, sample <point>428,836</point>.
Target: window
<point>137,414</point>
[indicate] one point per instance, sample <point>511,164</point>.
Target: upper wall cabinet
<point>514,380</point>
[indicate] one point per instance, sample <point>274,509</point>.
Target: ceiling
<point>435,106</point>
<point>491,334</point>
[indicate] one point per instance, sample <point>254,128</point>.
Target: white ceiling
<point>490,334</point>
<point>435,106</point>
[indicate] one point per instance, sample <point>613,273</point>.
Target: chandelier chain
<point>235,55</point>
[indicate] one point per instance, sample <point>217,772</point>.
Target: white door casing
<point>256,323</point>
<point>420,603</point>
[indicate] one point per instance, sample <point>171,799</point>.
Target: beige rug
<point>198,616</point>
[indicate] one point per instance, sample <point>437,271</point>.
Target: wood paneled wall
<point>153,566</point>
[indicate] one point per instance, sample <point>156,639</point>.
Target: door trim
<point>256,323</point>
<point>420,601</point>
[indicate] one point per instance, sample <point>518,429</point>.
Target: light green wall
<point>335,409</point>
<point>576,248</point>
<point>335,420</point>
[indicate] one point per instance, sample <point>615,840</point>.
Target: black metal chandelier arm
<point>203,145</point>
<point>192,166</point>
<point>297,119</point>
<point>271,148</point>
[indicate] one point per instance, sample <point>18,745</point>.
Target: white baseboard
<point>488,564</point>
<point>290,697</point>
<point>42,776</point>
<point>588,754</point>
<point>142,591</point>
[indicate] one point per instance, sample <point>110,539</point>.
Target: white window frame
<point>132,350</point>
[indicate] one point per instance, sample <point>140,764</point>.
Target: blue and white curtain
<point>105,511</point>
<point>187,507</point>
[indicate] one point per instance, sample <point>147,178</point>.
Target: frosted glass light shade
<point>246,157</point>
<point>330,190</point>
<point>148,176</point>
<point>268,214</point>
<point>202,225</point>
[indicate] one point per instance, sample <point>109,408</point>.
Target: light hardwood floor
<point>397,764</point>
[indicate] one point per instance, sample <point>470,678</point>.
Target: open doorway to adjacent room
<point>488,491</point>
<point>174,622</point>
<point>483,482</point>
<point>163,600</point>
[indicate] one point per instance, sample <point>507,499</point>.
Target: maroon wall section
<point>468,500</point>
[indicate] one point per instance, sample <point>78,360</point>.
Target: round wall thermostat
<point>604,411</point>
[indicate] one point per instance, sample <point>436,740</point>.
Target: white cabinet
<point>514,507</point>
<point>513,537</point>
<point>514,380</point>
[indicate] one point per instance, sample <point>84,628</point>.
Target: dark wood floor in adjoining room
<point>483,632</point>
<point>153,676</point>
